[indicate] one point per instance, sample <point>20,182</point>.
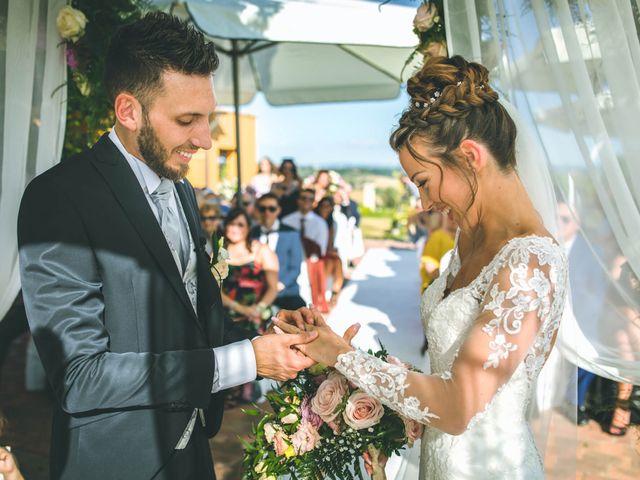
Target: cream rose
<point>425,17</point>
<point>329,396</point>
<point>71,23</point>
<point>362,411</point>
<point>269,432</point>
<point>289,419</point>
<point>412,429</point>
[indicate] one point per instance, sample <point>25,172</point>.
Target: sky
<point>330,134</point>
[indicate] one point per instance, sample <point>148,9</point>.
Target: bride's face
<point>441,188</point>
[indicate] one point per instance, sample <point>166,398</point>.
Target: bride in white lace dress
<point>492,316</point>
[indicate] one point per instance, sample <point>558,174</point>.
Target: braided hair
<point>451,100</point>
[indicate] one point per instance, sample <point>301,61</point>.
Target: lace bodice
<point>487,344</point>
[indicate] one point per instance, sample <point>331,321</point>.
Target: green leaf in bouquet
<point>252,412</point>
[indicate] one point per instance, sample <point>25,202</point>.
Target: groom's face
<point>176,123</point>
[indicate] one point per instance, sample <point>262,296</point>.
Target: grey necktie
<point>169,219</point>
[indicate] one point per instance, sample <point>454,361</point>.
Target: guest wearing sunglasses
<point>210,222</point>
<point>285,241</point>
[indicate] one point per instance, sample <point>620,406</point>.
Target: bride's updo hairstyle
<point>451,100</point>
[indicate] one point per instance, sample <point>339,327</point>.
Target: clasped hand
<point>304,339</point>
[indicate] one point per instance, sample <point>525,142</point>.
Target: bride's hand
<point>326,348</point>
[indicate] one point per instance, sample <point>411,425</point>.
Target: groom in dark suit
<point>124,311</point>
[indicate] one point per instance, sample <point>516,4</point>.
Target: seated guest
<point>210,222</point>
<point>314,234</point>
<point>248,291</point>
<point>285,241</point>
<point>333,264</point>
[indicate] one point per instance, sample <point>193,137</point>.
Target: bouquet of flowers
<point>321,425</point>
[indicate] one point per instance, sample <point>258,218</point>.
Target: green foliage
<point>89,110</point>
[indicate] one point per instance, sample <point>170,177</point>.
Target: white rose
<point>222,269</point>
<point>71,23</point>
<point>269,432</point>
<point>289,419</point>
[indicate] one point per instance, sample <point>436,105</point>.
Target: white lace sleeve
<point>520,301</point>
<point>384,381</point>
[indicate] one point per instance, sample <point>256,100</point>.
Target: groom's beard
<point>155,155</point>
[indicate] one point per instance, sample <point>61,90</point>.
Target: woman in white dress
<point>492,316</point>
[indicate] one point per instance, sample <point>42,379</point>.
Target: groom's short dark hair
<point>141,51</point>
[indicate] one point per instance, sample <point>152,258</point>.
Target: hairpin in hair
<point>435,96</point>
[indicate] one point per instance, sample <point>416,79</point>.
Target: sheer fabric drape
<point>573,67</point>
<point>33,103</point>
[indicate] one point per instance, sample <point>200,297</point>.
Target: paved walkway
<point>383,297</point>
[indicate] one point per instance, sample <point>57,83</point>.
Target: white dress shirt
<point>315,227</point>
<point>235,364</point>
<point>269,236</point>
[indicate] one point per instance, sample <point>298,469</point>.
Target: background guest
<point>333,264</point>
<point>314,234</point>
<point>248,291</point>
<point>585,275</point>
<point>285,242</point>
<point>287,187</point>
<point>210,222</point>
<point>440,241</point>
<point>266,176</point>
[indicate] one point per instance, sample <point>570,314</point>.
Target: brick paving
<point>599,456</point>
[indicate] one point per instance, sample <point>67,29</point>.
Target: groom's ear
<point>475,154</point>
<point>128,111</point>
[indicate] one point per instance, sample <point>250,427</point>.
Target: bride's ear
<point>475,154</point>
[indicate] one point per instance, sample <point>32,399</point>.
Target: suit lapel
<point>208,290</point>
<point>125,186</point>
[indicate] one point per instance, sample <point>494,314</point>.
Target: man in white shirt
<point>124,311</point>
<point>314,233</point>
<point>285,242</point>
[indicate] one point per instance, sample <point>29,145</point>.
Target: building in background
<point>216,168</point>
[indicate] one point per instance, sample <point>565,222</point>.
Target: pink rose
<point>413,429</point>
<point>362,411</point>
<point>280,442</point>
<point>329,396</point>
<point>308,415</point>
<point>305,439</point>
<point>425,17</point>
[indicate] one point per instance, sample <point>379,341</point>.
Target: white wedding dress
<point>506,320</point>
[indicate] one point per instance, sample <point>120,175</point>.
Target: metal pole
<point>235,59</point>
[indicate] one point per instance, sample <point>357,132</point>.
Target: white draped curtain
<point>32,116</point>
<point>572,67</point>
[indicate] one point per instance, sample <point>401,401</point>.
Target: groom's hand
<point>277,358</point>
<point>300,318</point>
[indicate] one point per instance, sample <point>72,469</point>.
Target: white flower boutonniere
<point>220,268</point>
<point>71,23</point>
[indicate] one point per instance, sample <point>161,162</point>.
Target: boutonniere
<point>219,260</point>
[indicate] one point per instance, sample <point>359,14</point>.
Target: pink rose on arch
<point>329,396</point>
<point>308,415</point>
<point>280,442</point>
<point>362,411</point>
<point>305,439</point>
<point>412,429</point>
